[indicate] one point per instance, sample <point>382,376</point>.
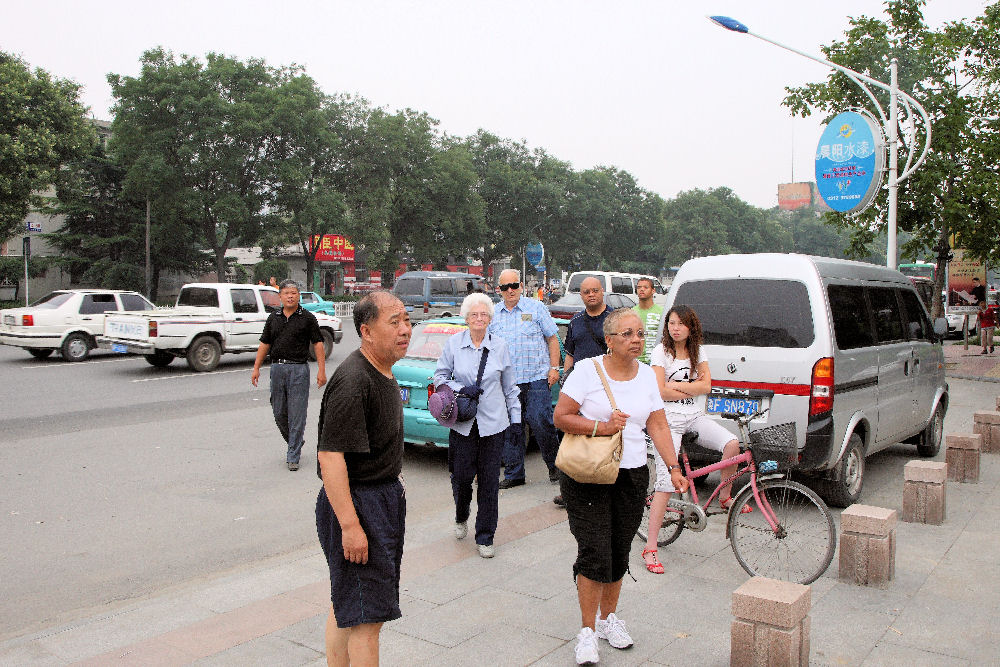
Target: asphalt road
<point>118,479</point>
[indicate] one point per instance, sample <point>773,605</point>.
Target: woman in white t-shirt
<point>684,379</point>
<point>604,517</point>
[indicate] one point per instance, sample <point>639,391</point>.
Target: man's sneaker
<point>461,530</point>
<point>558,500</point>
<point>613,629</point>
<point>293,465</point>
<point>586,647</point>
<point>554,476</point>
<point>487,550</point>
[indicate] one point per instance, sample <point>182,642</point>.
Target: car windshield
<point>428,339</point>
<point>53,300</point>
<point>571,299</point>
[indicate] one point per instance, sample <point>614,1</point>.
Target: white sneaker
<point>586,647</point>
<point>461,530</point>
<point>613,630</point>
<point>487,550</point>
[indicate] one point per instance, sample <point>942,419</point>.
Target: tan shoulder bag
<point>592,459</point>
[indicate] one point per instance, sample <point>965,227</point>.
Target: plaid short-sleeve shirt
<point>525,328</point>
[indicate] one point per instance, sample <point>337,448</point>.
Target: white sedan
<point>65,320</point>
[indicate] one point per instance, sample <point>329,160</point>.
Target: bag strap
<point>604,381</point>
<point>482,365</point>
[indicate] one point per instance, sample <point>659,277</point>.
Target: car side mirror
<point>940,327</point>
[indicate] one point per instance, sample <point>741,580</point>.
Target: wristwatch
<point>553,368</point>
<point>673,468</point>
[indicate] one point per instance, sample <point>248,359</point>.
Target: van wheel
<point>846,488</point>
<point>930,438</point>
<point>327,345</point>
<point>204,354</point>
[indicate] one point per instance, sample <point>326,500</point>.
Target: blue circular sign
<point>849,161</point>
<point>534,253</point>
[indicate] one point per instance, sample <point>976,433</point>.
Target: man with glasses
<point>527,327</point>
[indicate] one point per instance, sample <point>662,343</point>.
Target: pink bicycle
<point>777,528</point>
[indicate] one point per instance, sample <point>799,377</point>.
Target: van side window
<point>888,318</point>
<point>917,325</point>
<point>751,311</point>
<point>621,285</point>
<point>657,287</point>
<point>410,287</point>
<point>851,320</point>
<point>442,287</point>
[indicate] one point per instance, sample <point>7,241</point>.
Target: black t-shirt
<point>362,416</point>
<point>291,337</point>
<point>585,336</point>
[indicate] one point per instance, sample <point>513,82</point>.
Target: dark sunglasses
<point>507,286</point>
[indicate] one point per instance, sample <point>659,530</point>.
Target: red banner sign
<point>333,248</point>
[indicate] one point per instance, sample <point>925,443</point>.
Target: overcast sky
<point>653,88</point>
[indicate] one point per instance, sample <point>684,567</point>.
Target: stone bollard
<point>998,402</point>
<point>923,492</point>
<point>963,457</point>
<point>868,545</point>
<point>771,624</point>
<point>987,424</point>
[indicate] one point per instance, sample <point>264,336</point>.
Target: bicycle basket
<point>776,443</point>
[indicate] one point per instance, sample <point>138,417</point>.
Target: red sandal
<point>656,567</point>
<point>727,504</point>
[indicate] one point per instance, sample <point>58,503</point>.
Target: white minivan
<point>616,283</point>
<point>843,349</point>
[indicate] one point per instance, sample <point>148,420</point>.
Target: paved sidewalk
<point>971,363</point>
<point>943,608</point>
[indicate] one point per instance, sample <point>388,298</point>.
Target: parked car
<point>844,350</point>
<point>572,303</point>
<point>209,320</point>
<point>415,371</point>
<point>617,283</point>
<point>313,302</point>
<point>428,294</point>
<point>65,320</point>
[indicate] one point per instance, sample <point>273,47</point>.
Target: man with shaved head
<point>527,327</point>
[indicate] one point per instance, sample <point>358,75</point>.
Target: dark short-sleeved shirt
<point>585,336</point>
<point>362,416</point>
<point>290,337</point>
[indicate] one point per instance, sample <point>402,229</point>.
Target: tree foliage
<point>952,72</point>
<point>42,127</point>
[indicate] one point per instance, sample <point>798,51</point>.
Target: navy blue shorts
<point>603,518</point>
<point>366,593</point>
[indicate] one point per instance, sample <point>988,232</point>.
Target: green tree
<point>952,72</point>
<point>209,134</point>
<point>42,127</point>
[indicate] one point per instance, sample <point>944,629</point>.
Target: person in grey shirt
<point>474,445</point>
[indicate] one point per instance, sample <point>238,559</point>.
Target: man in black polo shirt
<point>286,339</point>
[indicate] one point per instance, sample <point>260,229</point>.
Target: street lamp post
<point>890,121</point>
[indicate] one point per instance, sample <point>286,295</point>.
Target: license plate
<point>119,348</point>
<point>743,406</point>
<point>404,393</point>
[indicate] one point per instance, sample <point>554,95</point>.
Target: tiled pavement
<point>943,608</point>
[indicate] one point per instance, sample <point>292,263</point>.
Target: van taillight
<point>27,320</point>
<point>152,329</point>
<point>821,393</point>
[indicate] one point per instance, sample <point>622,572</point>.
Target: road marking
<point>191,375</point>
<point>70,364</point>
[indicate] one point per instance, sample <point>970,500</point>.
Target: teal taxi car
<point>415,371</point>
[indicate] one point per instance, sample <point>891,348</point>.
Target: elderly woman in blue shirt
<point>474,446</point>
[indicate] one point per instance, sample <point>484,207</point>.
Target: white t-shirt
<point>638,398</point>
<point>678,370</point>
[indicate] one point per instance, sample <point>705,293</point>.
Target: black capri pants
<point>603,519</point>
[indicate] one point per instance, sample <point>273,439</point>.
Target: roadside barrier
<point>924,492</point>
<point>868,545</point>
<point>771,624</point>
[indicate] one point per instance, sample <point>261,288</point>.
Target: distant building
<point>794,196</point>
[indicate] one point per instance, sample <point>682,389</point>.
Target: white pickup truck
<point>209,319</point>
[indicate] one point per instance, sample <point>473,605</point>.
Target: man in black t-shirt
<point>286,339</point>
<point>361,509</point>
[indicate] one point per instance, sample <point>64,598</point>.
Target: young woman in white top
<point>684,379</point>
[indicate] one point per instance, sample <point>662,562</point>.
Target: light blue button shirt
<point>525,328</point>
<point>458,366</point>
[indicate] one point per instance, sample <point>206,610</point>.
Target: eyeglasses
<point>507,286</point>
<point>628,333</point>
<point>476,315</point>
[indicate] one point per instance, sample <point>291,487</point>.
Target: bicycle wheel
<point>673,521</point>
<point>802,547</point>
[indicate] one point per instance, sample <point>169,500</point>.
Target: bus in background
<point>919,270</point>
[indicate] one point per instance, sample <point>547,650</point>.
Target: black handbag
<point>468,404</point>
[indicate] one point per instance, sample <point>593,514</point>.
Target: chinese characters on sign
<point>333,248</point>
<point>849,160</point>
